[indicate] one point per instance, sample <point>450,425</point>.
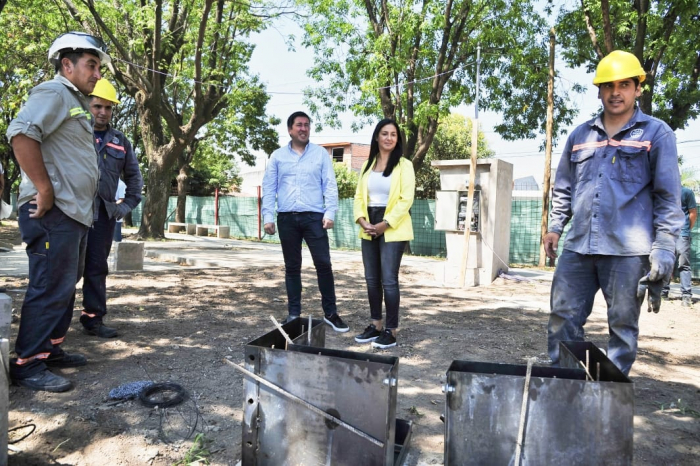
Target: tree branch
<point>591,31</point>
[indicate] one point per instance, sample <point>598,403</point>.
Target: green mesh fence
<point>241,215</point>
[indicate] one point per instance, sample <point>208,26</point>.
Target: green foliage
<point>346,179</point>
<point>28,28</point>
<point>689,178</point>
<point>664,37</point>
<point>212,168</point>
<point>200,87</point>
<point>453,140</point>
<point>414,61</point>
<point>198,454</point>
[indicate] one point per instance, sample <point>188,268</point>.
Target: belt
<point>295,213</point>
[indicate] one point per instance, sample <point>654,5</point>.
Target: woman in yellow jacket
<point>382,201</point>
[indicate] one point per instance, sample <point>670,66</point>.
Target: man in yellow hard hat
<point>618,183</point>
<point>53,142</point>
<point>116,158</point>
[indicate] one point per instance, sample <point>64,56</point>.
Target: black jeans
<point>293,227</point>
<point>382,260</point>
<point>96,269</point>
<point>56,250</point>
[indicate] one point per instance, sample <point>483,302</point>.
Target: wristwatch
<point>387,223</point>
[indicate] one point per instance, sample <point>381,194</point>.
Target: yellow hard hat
<point>105,90</point>
<point>618,65</point>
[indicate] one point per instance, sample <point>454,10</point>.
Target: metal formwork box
<point>569,420</point>
<point>357,388</point>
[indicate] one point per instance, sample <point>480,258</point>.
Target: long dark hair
<point>395,155</point>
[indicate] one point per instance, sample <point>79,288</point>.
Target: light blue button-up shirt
<point>299,183</point>
<point>622,194</point>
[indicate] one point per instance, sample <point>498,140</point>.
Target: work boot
<point>101,330</point>
<point>687,301</point>
<point>66,360</point>
<point>45,381</point>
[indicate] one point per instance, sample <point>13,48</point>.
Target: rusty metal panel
<point>569,420</point>
<point>357,388</point>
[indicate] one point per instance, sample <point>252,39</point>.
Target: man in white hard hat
<point>618,183</point>
<point>53,141</point>
<point>116,158</point>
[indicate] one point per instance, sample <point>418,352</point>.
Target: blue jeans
<point>293,227</point>
<point>684,270</point>
<point>382,260</point>
<point>577,279</point>
<point>56,251</point>
<point>96,269</point>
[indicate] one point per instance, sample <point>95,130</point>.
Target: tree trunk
<point>155,207</point>
<point>183,185</point>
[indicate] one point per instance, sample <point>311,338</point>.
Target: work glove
<point>654,287</point>
<point>661,262</point>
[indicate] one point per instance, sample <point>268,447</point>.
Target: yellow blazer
<point>401,192</point>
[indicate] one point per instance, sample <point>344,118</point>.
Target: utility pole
<point>548,148</point>
<point>472,176</point>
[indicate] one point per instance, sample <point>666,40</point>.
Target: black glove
<point>654,296</point>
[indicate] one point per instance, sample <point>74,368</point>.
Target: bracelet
<point>387,223</point>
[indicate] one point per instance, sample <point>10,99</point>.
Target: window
<point>338,154</point>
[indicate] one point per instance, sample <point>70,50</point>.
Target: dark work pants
<point>685,272</point>
<point>99,244</point>
<point>293,227</point>
<point>382,260</point>
<point>577,279</point>
<point>56,251</point>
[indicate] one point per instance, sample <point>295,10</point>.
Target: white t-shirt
<point>121,192</point>
<point>378,187</point>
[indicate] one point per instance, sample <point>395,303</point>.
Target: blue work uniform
<point>622,197</point>
<point>116,157</point>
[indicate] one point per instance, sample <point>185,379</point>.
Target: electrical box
<point>452,212</point>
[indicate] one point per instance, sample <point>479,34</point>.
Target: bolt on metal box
<point>359,389</point>
<point>570,419</point>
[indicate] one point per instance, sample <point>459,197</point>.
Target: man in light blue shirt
<point>300,178</point>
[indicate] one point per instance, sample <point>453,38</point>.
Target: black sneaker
<point>45,381</point>
<point>66,360</point>
<point>370,334</point>
<point>101,330</point>
<point>385,340</point>
<point>337,323</point>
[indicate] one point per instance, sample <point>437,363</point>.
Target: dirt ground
<point>179,326</point>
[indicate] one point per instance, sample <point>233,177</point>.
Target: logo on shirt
<point>115,140</point>
<point>636,133</point>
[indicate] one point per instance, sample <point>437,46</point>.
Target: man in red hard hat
<point>115,158</point>
<point>618,183</point>
<point>53,142</point>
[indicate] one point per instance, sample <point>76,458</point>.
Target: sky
<point>284,73</point>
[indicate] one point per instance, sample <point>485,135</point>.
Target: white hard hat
<point>71,41</point>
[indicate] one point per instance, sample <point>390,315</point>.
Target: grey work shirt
<point>57,116</point>
<point>622,194</point>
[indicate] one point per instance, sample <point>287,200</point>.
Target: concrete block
<point>202,230</point>
<point>224,231</point>
<point>174,227</point>
<point>128,255</point>
<point>5,315</point>
<point>191,228</point>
